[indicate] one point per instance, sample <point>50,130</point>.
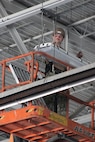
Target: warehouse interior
<point>26,24</point>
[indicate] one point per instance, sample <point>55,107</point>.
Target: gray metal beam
<point>16,37</point>
<point>61,136</point>
<point>14,32</point>
<point>47,86</point>
<point>31,11</point>
<point>84,119</point>
<point>6,140</point>
<point>81,108</point>
<point>60,54</point>
<point>82,21</point>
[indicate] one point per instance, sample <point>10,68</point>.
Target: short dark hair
<point>59,31</point>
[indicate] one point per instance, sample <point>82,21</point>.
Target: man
<point>58,37</point>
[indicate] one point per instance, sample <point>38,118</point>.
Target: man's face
<point>57,38</point>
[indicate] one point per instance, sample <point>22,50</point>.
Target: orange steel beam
<point>54,59</point>
<point>3,75</point>
<point>11,138</point>
<point>92,103</point>
<point>30,67</point>
<point>67,94</point>
<point>38,123</point>
<point>60,82</point>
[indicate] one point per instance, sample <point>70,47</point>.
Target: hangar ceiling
<point>25,24</point>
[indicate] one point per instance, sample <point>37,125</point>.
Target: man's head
<point>58,36</point>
